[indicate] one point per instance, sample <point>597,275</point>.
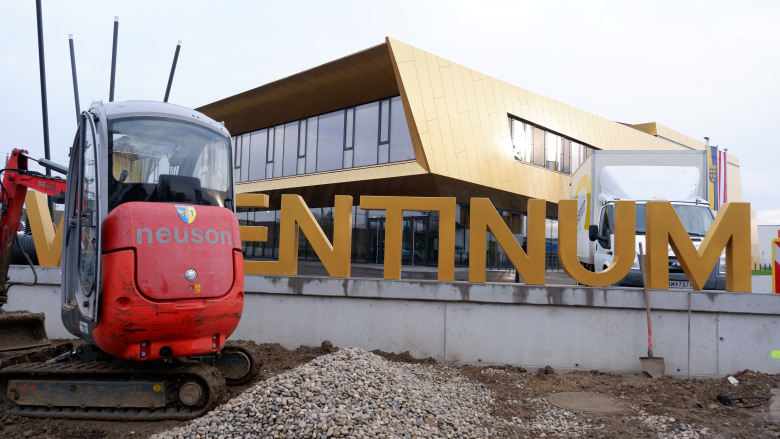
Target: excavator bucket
<point>22,329</point>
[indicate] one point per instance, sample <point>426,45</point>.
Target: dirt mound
<point>520,397</point>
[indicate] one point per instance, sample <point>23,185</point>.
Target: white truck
<point>679,177</point>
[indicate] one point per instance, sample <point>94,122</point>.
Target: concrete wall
<point>566,327</point>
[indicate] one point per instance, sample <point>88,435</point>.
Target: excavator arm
<point>17,178</point>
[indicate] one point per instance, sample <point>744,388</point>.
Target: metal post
<point>42,67</point>
<point>113,60</point>
<point>44,104</point>
<point>75,78</point>
<point>173,69</point>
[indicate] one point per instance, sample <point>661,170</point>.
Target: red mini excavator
<point>152,270</point>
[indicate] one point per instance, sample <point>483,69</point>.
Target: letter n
<point>295,213</point>
<point>731,230</point>
<point>483,217</point>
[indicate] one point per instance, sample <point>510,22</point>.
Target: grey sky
<point>703,68</point>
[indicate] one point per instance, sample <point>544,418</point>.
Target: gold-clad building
<point>395,120</point>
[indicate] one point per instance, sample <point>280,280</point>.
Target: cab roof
<point>158,109</point>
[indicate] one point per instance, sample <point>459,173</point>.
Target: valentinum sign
<point>729,231</point>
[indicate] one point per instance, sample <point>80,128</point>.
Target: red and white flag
<point>722,164</point>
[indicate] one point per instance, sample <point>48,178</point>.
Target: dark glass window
<point>245,145</point>
<point>290,163</point>
<point>538,154</point>
<point>400,140</point>
<point>236,158</point>
<point>311,145</point>
<point>540,147</point>
<point>269,161</point>
<point>366,134</point>
<point>258,155</point>
<point>278,151</point>
<point>384,123</point>
<point>330,141</point>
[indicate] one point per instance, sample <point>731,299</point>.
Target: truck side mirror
<point>593,232</point>
<point>594,235</point>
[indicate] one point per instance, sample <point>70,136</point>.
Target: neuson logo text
<point>164,235</point>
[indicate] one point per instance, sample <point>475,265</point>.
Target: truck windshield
<point>695,218</point>
<point>165,160</point>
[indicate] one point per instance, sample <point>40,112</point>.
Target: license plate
<point>679,284</point>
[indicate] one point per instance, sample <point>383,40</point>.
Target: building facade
<point>394,120</point>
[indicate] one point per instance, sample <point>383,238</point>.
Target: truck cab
<point>696,217</point>
<point>679,177</point>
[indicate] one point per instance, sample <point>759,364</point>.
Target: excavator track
<point>238,361</point>
<point>111,391</point>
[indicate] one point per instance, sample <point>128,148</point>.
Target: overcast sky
<point>703,68</point>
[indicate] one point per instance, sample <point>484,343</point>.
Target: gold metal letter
<point>252,233</point>
<point>48,244</point>
<point>394,224</point>
<point>731,229</point>
<point>625,231</point>
<point>295,213</point>
<point>483,216</point>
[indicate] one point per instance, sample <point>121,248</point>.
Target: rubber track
<point>210,376</point>
<point>253,351</point>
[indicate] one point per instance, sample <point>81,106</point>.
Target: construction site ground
<point>689,401</point>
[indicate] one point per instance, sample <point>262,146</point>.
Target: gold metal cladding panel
<point>454,120</point>
<point>473,158</point>
<point>471,97</point>
<point>490,97</point>
<point>443,160</point>
<point>463,161</point>
<point>670,134</point>
<point>434,70</point>
<point>426,85</point>
<point>412,100</point>
<point>478,160</point>
<point>649,128</point>
<point>344,176</point>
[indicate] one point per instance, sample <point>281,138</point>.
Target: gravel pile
<point>356,394</point>
<point>351,393</point>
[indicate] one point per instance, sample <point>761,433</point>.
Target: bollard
<point>776,266</point>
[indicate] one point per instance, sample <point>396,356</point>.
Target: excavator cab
<point>151,263</point>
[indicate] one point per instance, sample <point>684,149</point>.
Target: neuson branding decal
<point>184,235</point>
<point>164,235</point>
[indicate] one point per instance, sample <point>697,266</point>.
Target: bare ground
<point>693,402</point>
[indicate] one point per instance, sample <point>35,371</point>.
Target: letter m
<point>731,230</point>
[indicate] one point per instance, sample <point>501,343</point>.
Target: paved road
<point>762,284</point>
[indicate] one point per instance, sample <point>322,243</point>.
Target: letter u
<point>183,239</point>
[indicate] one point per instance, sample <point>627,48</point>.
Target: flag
<point>712,178</point>
<point>722,164</point>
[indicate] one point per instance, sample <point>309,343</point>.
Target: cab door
<point>81,249</point>
<point>603,256</point>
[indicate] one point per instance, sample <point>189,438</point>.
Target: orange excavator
<point>152,271</point>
